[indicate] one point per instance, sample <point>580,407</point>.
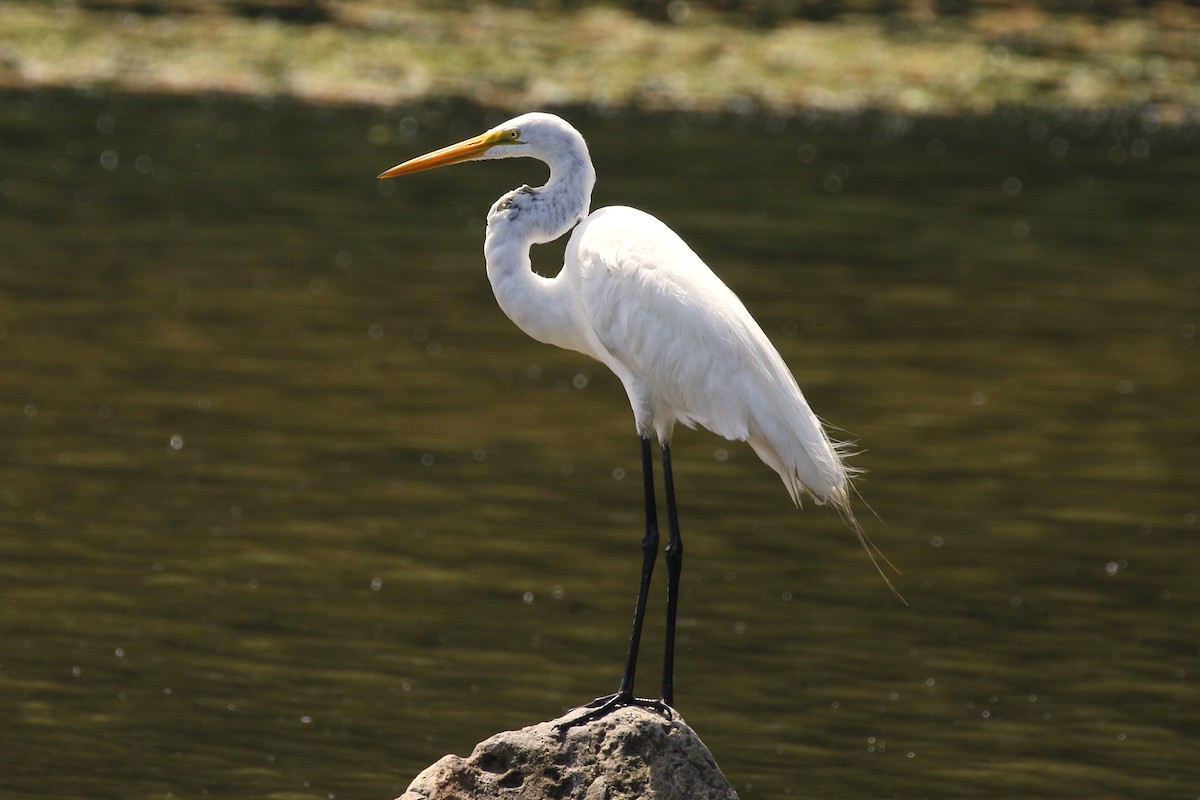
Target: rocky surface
<point>630,754</point>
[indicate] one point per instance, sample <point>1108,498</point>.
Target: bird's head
<point>535,135</point>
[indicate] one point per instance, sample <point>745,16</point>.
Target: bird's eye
<point>514,134</point>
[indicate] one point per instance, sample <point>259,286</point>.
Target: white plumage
<point>632,295</point>
<point>687,350</point>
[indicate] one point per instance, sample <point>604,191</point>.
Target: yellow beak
<point>454,154</point>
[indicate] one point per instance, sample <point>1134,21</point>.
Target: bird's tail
<point>794,442</point>
<point>827,479</point>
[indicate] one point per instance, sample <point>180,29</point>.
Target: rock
<point>630,754</point>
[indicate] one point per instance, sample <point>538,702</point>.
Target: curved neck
<point>539,306</point>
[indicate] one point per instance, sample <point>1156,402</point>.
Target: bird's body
<point>687,350</point>
<point>632,295</point>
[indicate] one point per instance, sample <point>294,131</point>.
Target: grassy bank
<point>370,51</point>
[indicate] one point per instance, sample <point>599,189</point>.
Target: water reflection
<point>289,507</point>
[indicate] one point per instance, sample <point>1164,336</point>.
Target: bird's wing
<point>664,317</point>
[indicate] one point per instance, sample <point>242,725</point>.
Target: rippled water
<point>289,509</point>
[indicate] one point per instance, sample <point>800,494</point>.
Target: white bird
<point>632,295</point>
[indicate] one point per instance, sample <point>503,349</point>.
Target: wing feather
<point>671,329</point>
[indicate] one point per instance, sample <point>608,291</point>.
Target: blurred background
<point>289,509</point>
<point>922,56</point>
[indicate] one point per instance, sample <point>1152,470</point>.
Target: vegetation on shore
<point>524,55</point>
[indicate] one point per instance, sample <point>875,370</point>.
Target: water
<point>289,509</point>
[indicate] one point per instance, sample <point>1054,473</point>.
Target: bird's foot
<point>605,705</point>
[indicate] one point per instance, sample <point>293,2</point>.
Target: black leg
<point>649,553</point>
<point>674,555</point>
<point>624,696</point>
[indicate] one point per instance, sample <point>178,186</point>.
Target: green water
<point>289,509</point>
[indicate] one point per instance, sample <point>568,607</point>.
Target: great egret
<point>632,295</point>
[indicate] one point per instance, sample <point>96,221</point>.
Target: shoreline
<point>372,54</point>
